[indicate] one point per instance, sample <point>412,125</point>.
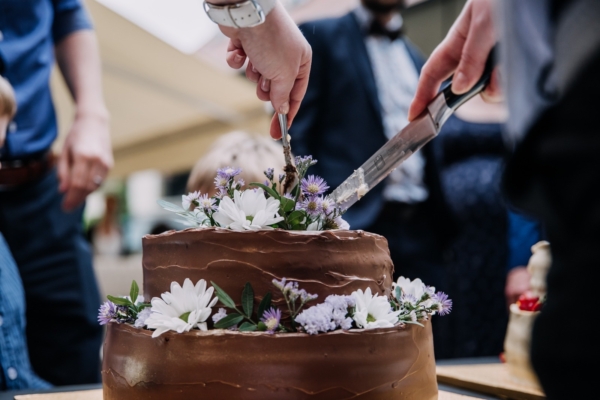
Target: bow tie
<point>376,29</point>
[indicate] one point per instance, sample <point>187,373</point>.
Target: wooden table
<point>487,378</point>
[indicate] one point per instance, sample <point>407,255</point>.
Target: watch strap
<point>246,14</point>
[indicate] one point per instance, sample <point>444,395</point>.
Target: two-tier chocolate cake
<point>386,363</point>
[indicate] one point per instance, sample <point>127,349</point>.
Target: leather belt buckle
<point>14,173</point>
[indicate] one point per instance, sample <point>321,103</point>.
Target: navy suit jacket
<point>340,121</point>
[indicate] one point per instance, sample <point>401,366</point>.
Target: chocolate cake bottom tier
<point>391,363</point>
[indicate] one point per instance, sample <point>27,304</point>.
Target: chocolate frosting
<point>324,263</point>
<point>393,363</point>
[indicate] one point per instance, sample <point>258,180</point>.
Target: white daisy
<point>181,309</point>
<point>412,291</point>
<point>373,311</point>
<point>249,210</point>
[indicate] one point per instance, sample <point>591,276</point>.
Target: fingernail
<point>285,108</point>
<point>265,85</point>
<point>238,58</point>
<point>459,82</point>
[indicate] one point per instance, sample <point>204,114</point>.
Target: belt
<point>21,172</point>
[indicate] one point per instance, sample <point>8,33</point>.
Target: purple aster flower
<point>266,182</point>
<point>143,315</point>
<point>107,312</point>
<point>219,315</point>
<point>221,182</point>
<point>228,172</point>
<point>207,203</point>
<point>312,206</point>
<point>269,173</point>
<point>444,304</point>
<point>191,198</point>
<point>281,178</point>
<point>240,182</point>
<point>313,185</point>
<point>271,319</point>
<point>288,196</point>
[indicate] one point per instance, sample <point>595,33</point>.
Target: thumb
<point>63,171</point>
<point>280,94</point>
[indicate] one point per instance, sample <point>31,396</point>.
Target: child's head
<point>8,107</point>
<point>253,154</point>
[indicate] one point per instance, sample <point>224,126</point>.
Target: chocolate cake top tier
<point>323,263</point>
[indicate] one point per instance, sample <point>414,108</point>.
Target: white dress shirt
<point>396,78</point>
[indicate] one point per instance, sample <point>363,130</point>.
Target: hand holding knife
<point>414,136</point>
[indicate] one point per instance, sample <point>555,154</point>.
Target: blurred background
<point>170,95</point>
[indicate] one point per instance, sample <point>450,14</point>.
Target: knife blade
<point>405,143</point>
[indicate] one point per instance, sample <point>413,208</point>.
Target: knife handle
<point>446,102</point>
<point>453,101</point>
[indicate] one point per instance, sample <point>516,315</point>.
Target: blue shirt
<point>29,29</point>
<point>15,369</point>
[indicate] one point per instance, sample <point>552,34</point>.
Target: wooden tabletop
<point>487,378</point>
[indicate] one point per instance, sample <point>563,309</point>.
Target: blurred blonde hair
<point>8,104</point>
<point>253,154</point>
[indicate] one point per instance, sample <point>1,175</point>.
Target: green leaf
<point>248,299</point>
<point>119,301</point>
<point>223,297</point>
<point>170,206</point>
<point>262,327</point>
<point>247,327</point>
<point>264,305</point>
<point>295,217</point>
<point>267,189</point>
<point>134,291</point>
<point>144,305</point>
<point>229,321</point>
<point>287,205</point>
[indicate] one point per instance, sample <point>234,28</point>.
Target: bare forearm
<point>78,57</point>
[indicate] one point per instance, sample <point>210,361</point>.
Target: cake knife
<point>410,139</point>
<point>291,174</point>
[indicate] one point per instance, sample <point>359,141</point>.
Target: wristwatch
<point>246,14</point>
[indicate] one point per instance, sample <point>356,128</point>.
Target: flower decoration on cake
<point>261,206</point>
<point>249,211</point>
<point>189,307</point>
<point>181,309</point>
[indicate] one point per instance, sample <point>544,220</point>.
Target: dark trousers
<point>555,175</point>
<point>61,295</point>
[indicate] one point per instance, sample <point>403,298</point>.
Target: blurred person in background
<point>106,235</point>
<point>364,75</point>
<point>551,59</point>
<point>15,368</point>
<point>471,154</point>
<point>238,149</point>
<point>41,206</point>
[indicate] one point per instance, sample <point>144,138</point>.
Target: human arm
<point>87,155</point>
<point>463,53</point>
<point>279,60</point>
